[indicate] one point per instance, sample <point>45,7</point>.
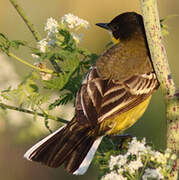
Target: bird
<point>113,96</point>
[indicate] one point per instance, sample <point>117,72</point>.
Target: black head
<point>125,25</point>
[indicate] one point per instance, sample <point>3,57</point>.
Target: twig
<point>30,65</point>
<point>160,62</point>
<point>47,116</point>
<point>55,65</point>
<point>31,27</point>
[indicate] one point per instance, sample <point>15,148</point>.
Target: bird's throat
<point>114,40</point>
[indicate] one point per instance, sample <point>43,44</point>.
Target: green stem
<point>129,176</point>
<point>31,27</point>
<point>5,106</point>
<point>157,48</point>
<point>162,69</point>
<point>30,65</point>
<point>144,167</point>
<point>55,65</point>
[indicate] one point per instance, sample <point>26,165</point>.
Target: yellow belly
<point>125,120</point>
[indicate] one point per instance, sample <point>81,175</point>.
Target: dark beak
<point>103,25</point>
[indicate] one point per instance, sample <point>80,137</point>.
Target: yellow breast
<point>123,121</point>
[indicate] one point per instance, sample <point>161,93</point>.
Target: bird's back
<point>125,59</point>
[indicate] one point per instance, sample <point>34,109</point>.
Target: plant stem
<point>5,106</point>
<point>31,27</point>
<point>144,166</point>
<point>160,62</point>
<point>55,65</point>
<point>30,65</point>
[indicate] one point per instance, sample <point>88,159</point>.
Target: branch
<point>30,65</point>
<point>5,106</point>
<point>161,66</point>
<point>31,27</point>
<point>55,65</point>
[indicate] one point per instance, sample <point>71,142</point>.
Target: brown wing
<point>100,99</point>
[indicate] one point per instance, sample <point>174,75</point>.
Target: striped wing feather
<point>108,98</point>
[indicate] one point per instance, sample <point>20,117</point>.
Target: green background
<point>13,143</point>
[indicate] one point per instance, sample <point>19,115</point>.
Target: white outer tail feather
<point>89,157</point>
<point>85,163</point>
<point>33,148</point>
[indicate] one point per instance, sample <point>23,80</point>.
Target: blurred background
<point>18,131</point>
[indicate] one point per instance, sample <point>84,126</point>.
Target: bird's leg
<point>122,140</point>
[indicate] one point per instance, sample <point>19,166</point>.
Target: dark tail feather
<point>77,156</point>
<point>68,145</point>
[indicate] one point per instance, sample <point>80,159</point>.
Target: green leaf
<point>68,43</point>
<point>4,43</point>
<point>84,52</point>
<point>3,36</point>
<point>68,67</point>
<point>110,44</point>
<point>93,57</point>
<point>62,55</point>
<point>74,84</point>
<point>34,87</point>
<point>6,90</point>
<point>47,125</point>
<point>16,43</point>
<point>64,99</point>
<point>27,92</point>
<point>57,82</point>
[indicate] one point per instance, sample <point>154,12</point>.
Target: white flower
<point>158,157</point>
<point>137,147</point>
<point>118,161</point>
<point>77,37</point>
<point>138,156</point>
<point>113,176</point>
<point>42,45</point>
<point>134,165</point>
<point>168,151</point>
<point>152,173</point>
<point>51,42</point>
<point>74,21</point>
<point>37,59</point>
<point>35,56</point>
<point>51,26</point>
<point>173,157</point>
<point>46,76</point>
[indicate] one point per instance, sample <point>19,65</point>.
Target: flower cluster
<point>52,30</point>
<point>140,162</point>
<point>152,174</point>
<point>68,21</point>
<point>51,26</point>
<point>114,176</point>
<point>42,45</point>
<point>74,22</point>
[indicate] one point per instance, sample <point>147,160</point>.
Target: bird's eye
<point>115,27</point>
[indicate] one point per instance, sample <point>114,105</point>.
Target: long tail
<point>71,145</point>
